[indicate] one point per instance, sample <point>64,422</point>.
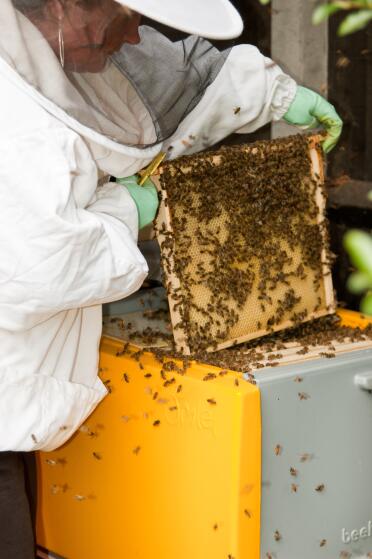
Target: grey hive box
<point>327,439</point>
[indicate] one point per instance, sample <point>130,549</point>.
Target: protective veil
<point>69,245</point>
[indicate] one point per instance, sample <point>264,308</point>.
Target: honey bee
<point>306,457</point>
<point>136,450</point>
<point>211,401</point>
<point>236,110</point>
<point>277,536</point>
<point>125,377</point>
<point>54,489</point>
<point>209,376</point>
<point>303,396</point>
<point>169,382</point>
<point>294,487</point>
<point>278,449</point>
<point>323,543</point>
<point>327,355</point>
<point>97,455</point>
<point>293,472</point>
<point>107,384</point>
<point>179,388</point>
<point>247,513</point>
<point>79,497</point>
<point>123,350</point>
<point>156,423</point>
<point>320,488</point>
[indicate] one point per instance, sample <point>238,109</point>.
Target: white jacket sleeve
<point>64,244</point>
<point>249,91</point>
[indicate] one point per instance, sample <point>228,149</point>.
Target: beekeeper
<point>86,94</point>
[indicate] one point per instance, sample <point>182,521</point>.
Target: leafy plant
<point>360,16</point>
<point>359,246</point>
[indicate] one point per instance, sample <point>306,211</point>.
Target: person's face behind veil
<point>90,30</point>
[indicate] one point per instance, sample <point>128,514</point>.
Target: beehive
<point>243,240</point>
<point>192,483</point>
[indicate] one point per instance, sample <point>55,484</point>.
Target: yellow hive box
<point>126,486</point>
<point>162,469</point>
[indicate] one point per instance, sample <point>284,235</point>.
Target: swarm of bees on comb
<point>244,242</point>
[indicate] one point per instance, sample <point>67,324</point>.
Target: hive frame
<point>173,282</point>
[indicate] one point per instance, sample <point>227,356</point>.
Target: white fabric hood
<point>84,103</point>
<point>131,107</point>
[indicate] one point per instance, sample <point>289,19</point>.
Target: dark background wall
<point>350,89</point>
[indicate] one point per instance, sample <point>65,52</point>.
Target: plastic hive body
<point>127,486</point>
<point>316,491</point>
<point>190,486</point>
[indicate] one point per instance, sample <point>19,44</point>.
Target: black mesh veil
<point>137,98</point>
<point>170,78</point>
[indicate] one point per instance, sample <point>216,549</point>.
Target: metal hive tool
<point>244,242</point>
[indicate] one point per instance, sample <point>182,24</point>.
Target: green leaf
<point>359,282</point>
<point>321,13</point>
<point>359,246</point>
<point>354,22</point>
<point>366,304</point>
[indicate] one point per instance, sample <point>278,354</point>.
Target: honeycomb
<point>243,240</point>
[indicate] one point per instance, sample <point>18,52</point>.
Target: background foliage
<point>358,13</point>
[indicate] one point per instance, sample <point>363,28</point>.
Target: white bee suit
<point>68,245</point>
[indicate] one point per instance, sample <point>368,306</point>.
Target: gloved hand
<point>145,197</point>
<point>308,110</point>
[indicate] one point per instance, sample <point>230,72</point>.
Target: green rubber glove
<point>308,110</point>
<point>145,197</point>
